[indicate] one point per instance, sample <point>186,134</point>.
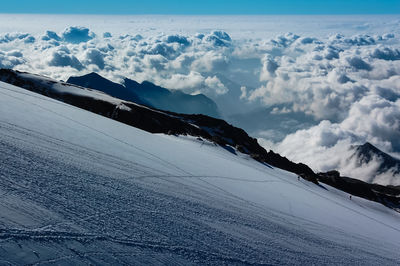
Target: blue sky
<point>203,7</point>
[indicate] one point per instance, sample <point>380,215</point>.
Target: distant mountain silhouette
<point>150,94</point>
<point>97,82</point>
<point>367,152</point>
<point>173,100</point>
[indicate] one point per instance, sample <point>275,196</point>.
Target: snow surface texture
<point>340,72</point>
<point>80,188</point>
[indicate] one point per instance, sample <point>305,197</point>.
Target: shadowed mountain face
<point>366,153</point>
<point>172,100</point>
<point>97,82</point>
<point>149,94</point>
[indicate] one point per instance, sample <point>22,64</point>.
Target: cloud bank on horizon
<point>346,81</point>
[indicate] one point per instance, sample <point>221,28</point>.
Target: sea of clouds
<point>343,73</point>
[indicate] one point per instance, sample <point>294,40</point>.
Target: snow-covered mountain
<point>155,121</point>
<point>149,94</point>
<point>215,130</point>
<point>80,188</point>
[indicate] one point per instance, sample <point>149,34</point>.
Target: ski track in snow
<point>77,188</point>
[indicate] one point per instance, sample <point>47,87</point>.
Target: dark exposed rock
<point>367,152</point>
<point>386,195</point>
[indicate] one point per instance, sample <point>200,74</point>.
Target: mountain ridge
<point>149,94</point>
<point>367,152</point>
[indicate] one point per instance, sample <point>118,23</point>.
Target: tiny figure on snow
<point>350,197</point>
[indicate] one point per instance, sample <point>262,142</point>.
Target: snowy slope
<point>78,188</point>
<point>55,87</point>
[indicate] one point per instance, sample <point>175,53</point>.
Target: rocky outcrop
<point>366,153</point>
<point>386,195</point>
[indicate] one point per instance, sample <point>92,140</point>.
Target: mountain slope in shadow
<point>149,94</point>
<point>367,153</point>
